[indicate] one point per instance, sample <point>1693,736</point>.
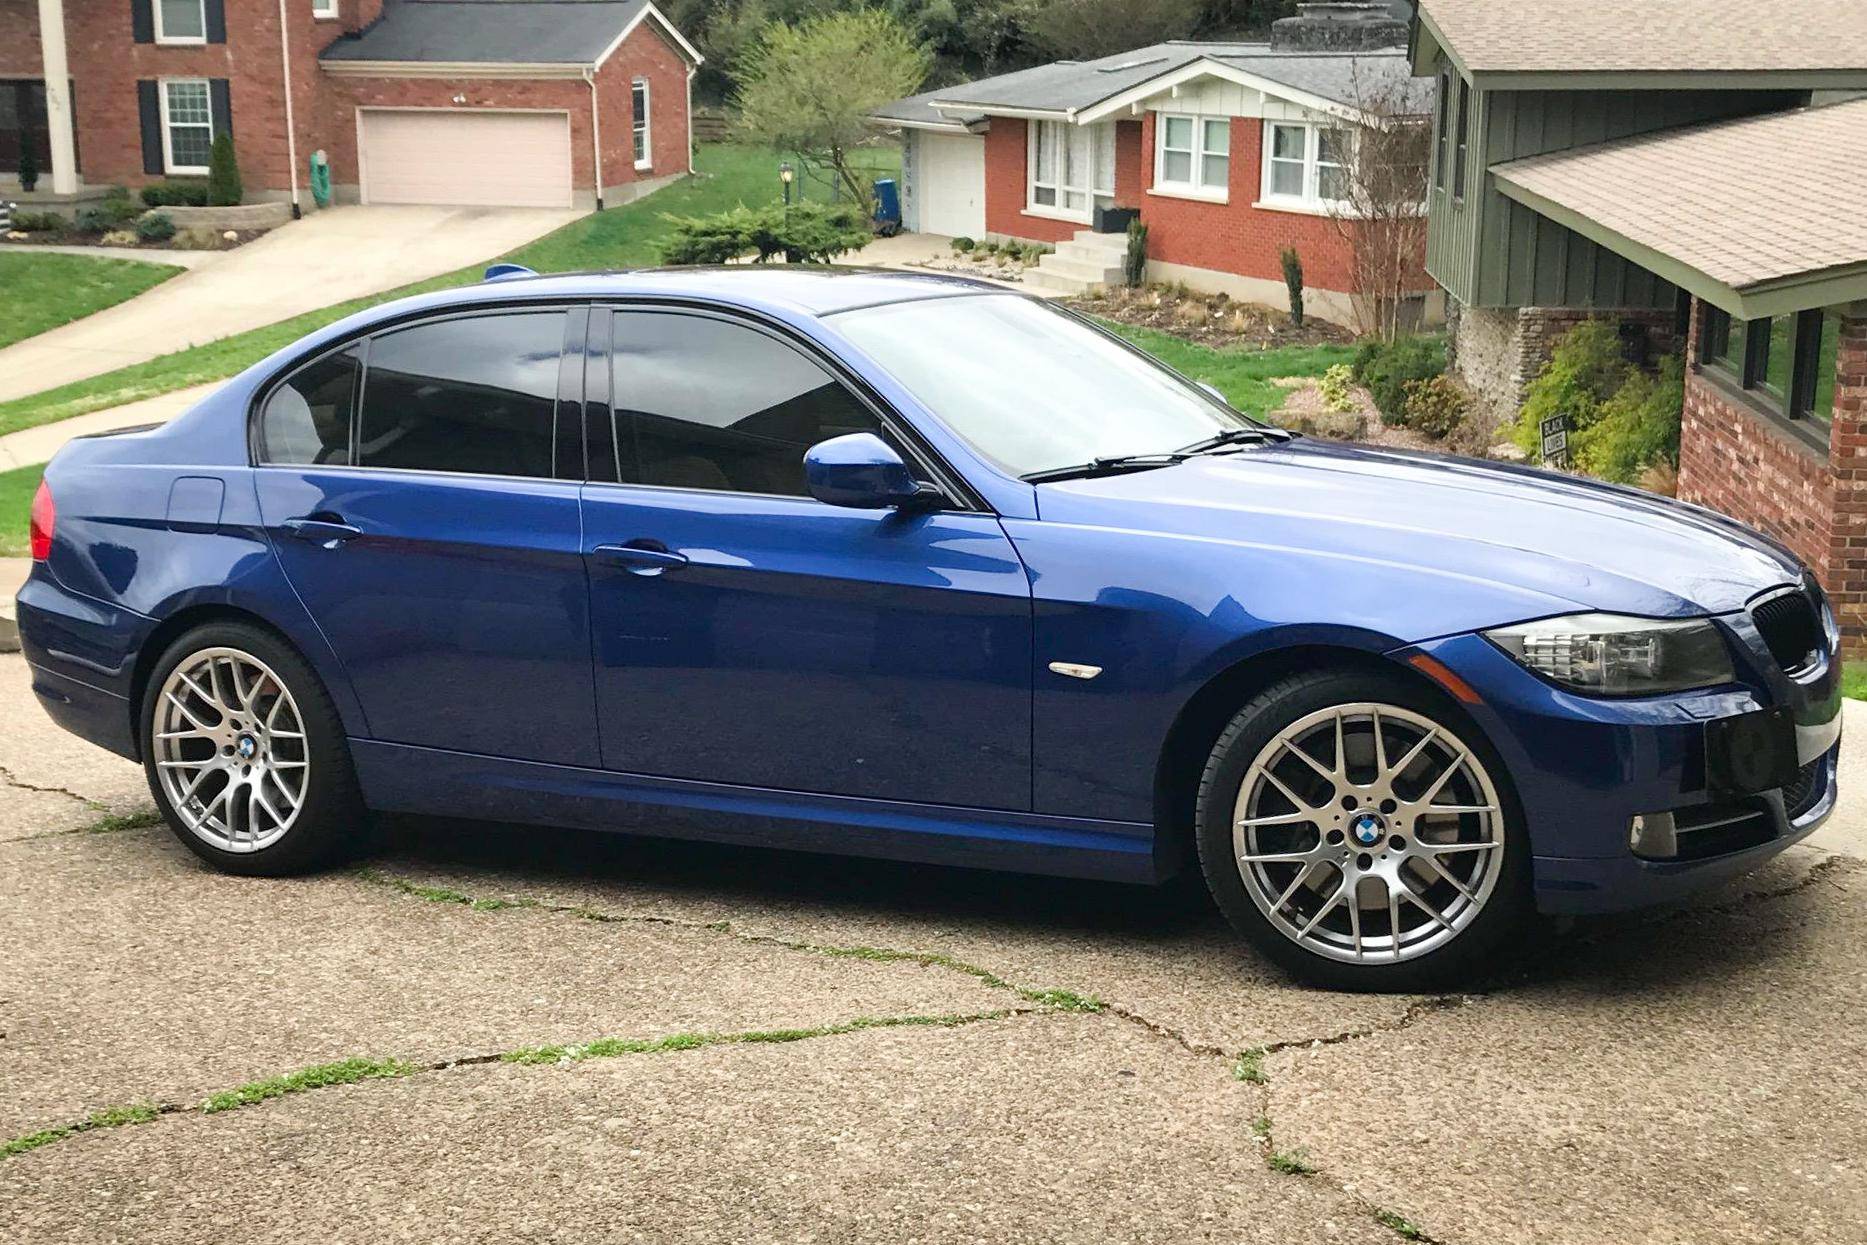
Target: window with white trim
<point>1072,168</point>
<point>187,125</point>
<point>181,21</point>
<point>638,108</point>
<point>1193,155</point>
<point>324,8</point>
<point>1306,165</point>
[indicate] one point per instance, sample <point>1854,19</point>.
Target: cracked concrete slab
<point>1040,1128</point>
<point>37,754</point>
<point>1694,1078</point>
<point>1165,954</point>
<point>132,972</point>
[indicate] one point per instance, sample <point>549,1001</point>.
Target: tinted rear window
<point>307,419</point>
<point>469,395</point>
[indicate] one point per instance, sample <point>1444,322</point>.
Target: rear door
<point>410,484</point>
<point>747,633</point>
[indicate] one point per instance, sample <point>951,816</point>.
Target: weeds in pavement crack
<point>111,824</point>
<point>1399,1225</point>
<point>1050,999</point>
<point>354,1070</point>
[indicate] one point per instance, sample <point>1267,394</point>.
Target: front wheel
<point>1363,835</point>
<point>246,755</point>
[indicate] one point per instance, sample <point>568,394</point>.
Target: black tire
<point>331,820</point>
<point>1474,953</point>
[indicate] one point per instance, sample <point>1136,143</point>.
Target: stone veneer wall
<point>1744,462</point>
<point>1497,351</point>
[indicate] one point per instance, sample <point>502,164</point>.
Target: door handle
<point>640,558</point>
<point>327,533</point>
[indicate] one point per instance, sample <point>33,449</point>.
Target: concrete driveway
<point>328,257</point>
<point>518,1034</point>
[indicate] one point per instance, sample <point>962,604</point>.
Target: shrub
<point>90,220</point>
<point>1585,369</point>
<point>1637,433</point>
<point>963,244</point>
<point>39,222</point>
<point>1336,387</point>
<point>806,233</point>
<point>1437,407</point>
<point>1388,369</point>
<point>1293,282</point>
<point>156,227</point>
<point>199,239</point>
<point>987,247</point>
<point>1134,260</point>
<point>119,211</point>
<point>119,237</point>
<point>223,174</point>
<point>175,194</point>
<point>28,164</point>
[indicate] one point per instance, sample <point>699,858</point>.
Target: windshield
<point>1031,388</point>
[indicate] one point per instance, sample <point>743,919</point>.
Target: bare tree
<point>1378,201</point>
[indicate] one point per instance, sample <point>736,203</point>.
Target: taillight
<point>44,518</point>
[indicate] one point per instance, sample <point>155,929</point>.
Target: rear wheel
<point>1363,835</point>
<point>245,753</point>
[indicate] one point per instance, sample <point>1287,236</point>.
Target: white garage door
<point>475,159</point>
<point>951,184</point>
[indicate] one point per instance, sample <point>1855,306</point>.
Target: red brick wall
<point>1131,174</point>
<point>107,63</point>
<point>1738,461</point>
<point>19,39</point>
<point>1234,236</point>
<point>1005,153</point>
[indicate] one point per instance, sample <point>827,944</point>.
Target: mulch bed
<point>1208,319</point>
<point>45,237</point>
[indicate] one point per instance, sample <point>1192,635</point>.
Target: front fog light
<point>1612,655</point>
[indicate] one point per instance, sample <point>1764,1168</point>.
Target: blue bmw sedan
<point>912,567</point>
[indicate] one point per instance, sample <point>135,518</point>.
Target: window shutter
<point>151,110</point>
<point>216,13</point>
<point>220,105</point>
<point>143,21</point>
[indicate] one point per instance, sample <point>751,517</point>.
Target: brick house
<point>1695,176</point>
<point>491,102</point>
<point>1229,152</point>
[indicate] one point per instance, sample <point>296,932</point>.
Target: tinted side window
<point>307,419</point>
<point>475,394</point>
<point>722,406</point>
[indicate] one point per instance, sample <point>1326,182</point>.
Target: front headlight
<point>1612,655</point>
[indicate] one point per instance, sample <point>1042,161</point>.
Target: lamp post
<point>787,175</point>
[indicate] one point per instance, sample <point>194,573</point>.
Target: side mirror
<point>862,471</point>
<point>1212,391</point>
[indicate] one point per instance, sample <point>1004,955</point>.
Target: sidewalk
<point>37,445</point>
<point>174,259</point>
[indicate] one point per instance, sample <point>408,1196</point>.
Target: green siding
<point>1491,252</point>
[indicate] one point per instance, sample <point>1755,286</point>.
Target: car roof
<point>813,291</point>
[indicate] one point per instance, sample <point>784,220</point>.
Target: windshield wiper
<point>1113,465</point>
<point>1235,436</point>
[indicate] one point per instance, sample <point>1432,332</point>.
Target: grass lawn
<point>623,237</point>
<point>40,292</point>
<point>1854,680</point>
<point>1243,376</point>
<point>16,490</point>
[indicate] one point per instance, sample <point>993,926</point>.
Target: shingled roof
<point>1614,36</point>
<point>496,32</point>
<point>1761,216</point>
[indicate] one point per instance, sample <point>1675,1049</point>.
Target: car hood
<point>1597,546</point>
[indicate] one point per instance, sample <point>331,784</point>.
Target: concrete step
<point>1041,279</point>
<point>1094,271</point>
<point>1116,242</point>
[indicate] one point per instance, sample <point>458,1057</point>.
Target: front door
<point>408,484</point>
<point>746,633</point>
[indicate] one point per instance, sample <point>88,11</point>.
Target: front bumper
<point>1584,768</point>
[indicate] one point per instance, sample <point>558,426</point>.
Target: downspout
<point>691,71</point>
<point>291,130</point>
<point>596,136</point>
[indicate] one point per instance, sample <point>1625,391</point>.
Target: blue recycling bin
<point>887,207</point>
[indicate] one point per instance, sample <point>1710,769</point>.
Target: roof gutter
<point>455,69</point>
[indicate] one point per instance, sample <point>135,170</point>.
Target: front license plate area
<point>1751,752</point>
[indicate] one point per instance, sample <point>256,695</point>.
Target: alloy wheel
<point>1368,833</point>
<point>230,750</point>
